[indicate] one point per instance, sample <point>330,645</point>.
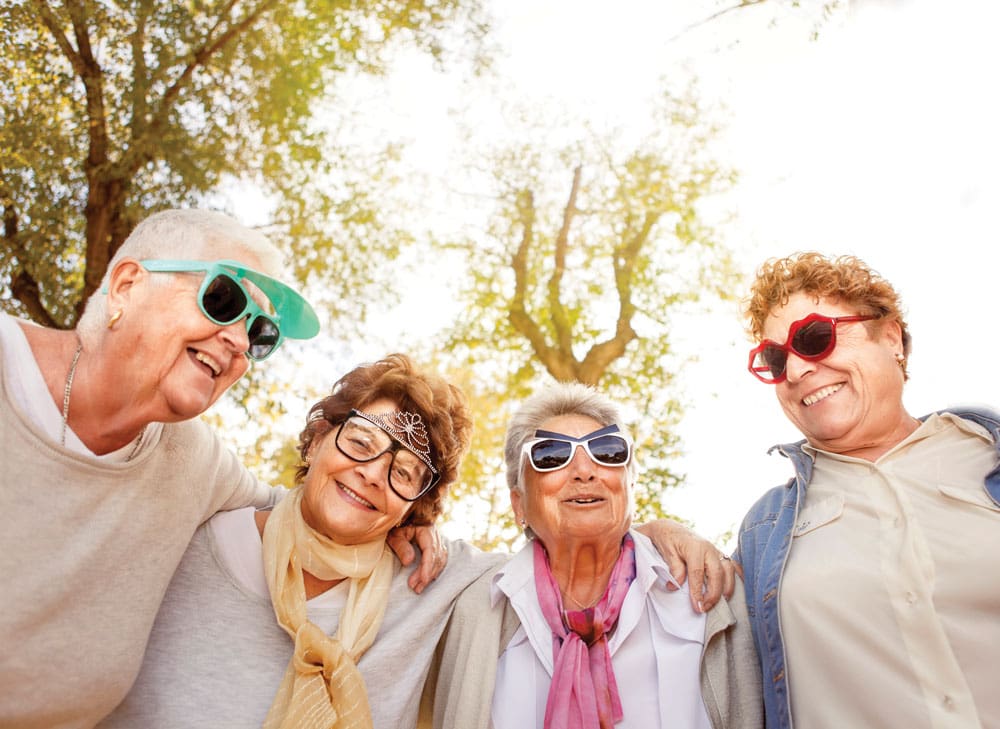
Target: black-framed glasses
<point>362,439</point>
<point>812,339</point>
<point>549,451</point>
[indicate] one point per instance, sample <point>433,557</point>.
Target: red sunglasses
<point>812,339</point>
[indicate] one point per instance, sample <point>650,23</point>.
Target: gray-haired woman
<point>580,629</point>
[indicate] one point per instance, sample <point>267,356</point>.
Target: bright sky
<point>879,139</point>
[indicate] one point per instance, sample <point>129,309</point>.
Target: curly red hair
<point>845,279</point>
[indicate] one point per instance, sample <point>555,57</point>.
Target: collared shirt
<point>889,607</point>
<point>655,650</point>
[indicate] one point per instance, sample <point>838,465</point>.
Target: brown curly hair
<point>845,279</point>
<point>443,407</point>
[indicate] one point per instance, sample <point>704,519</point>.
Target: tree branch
<point>715,16</point>
<point>138,153</point>
<point>600,356</point>
<point>560,322</point>
<point>517,312</point>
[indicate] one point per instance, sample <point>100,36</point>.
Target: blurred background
<point>518,190</point>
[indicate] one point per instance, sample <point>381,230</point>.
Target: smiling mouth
<point>355,497</point>
<point>815,397</point>
<point>585,500</point>
<point>210,363</point>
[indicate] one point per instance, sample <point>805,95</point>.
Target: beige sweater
<point>86,552</point>
<point>459,690</point>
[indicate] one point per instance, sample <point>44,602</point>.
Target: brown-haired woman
<point>378,452</point>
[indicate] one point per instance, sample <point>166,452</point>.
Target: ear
<point>125,275</point>
<point>517,503</point>
<point>315,445</point>
<point>892,334</point>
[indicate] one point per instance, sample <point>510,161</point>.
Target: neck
<point>314,586</point>
<point>582,570</point>
<point>104,418</point>
<point>878,447</point>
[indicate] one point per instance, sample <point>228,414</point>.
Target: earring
<point>114,319</point>
<point>901,360</point>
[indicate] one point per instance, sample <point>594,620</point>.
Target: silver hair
<point>560,398</point>
<point>201,235</point>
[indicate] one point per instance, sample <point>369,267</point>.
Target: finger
<point>433,558</point>
<point>677,567</point>
<point>696,584</point>
<point>715,579</point>
<point>730,568</point>
<point>399,542</point>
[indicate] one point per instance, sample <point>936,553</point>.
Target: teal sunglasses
<point>223,299</point>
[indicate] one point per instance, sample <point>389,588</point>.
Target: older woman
<point>379,451</point>
<point>864,573</point>
<point>106,474</point>
<point>272,617</point>
<point>579,629</point>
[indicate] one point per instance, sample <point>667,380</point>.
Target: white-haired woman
<point>107,471</point>
<point>579,630</point>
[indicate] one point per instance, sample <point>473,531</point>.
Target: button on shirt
<point>655,650</point>
<point>890,606</point>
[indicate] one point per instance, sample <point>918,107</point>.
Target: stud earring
<point>114,319</point>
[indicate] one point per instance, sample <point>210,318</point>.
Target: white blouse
<point>655,650</point>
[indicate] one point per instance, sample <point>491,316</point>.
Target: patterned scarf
<point>583,693</point>
<point>323,688</point>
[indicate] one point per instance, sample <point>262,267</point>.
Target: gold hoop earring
<point>114,319</point>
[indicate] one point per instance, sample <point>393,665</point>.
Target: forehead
<point>379,406</point>
<point>571,424</point>
<point>799,306</point>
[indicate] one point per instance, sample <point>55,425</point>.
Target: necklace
<point>65,408</point>
<point>579,604</point>
<point>68,389</point>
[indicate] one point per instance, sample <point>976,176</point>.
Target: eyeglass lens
<point>224,300</point>
<point>606,450</point>
<point>362,441</point>
<point>812,340</point>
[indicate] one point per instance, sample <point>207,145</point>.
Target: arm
<point>433,553</point>
<point>688,555</point>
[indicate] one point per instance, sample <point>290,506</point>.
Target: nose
<point>796,368</point>
<point>581,466</point>
<point>235,336</point>
<point>376,471</point>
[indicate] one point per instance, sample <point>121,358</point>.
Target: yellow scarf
<point>323,688</point>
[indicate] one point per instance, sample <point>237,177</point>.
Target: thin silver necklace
<point>65,410</point>
<point>67,389</point>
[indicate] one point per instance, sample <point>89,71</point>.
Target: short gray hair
<point>560,398</point>
<point>201,235</point>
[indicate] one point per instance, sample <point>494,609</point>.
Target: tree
<point>825,10</point>
<point>112,110</point>
<point>580,274</point>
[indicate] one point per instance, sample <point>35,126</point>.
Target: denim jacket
<point>764,539</point>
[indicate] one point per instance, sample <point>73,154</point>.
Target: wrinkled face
<point>851,400</point>
<point>184,360</point>
<point>583,500</point>
<point>348,501</point>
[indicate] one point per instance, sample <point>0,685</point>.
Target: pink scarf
<point>584,693</point>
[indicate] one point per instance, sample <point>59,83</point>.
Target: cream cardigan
<point>459,689</point>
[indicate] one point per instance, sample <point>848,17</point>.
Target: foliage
<point>111,110</point>
<point>591,250</point>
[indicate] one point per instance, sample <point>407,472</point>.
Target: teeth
<point>363,502</point>
<point>205,359</point>
<point>820,394</point>
<point>584,501</point>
